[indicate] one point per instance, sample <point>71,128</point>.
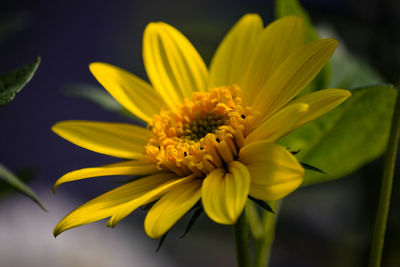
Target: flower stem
<point>242,240</point>
<point>263,245</point>
<point>386,189</point>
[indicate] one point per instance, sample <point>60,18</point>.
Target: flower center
<point>202,125</point>
<point>204,133</point>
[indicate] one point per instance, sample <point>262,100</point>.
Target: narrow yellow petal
<point>105,205</point>
<point>130,91</point>
<point>224,194</point>
<point>278,124</point>
<point>319,103</point>
<point>131,167</point>
<point>171,207</point>
<point>293,75</point>
<point>115,139</point>
<point>172,63</point>
<point>127,208</point>
<point>277,41</point>
<point>274,171</point>
<point>232,56</point>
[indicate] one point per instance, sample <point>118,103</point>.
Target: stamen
<point>202,125</point>
<point>204,133</point>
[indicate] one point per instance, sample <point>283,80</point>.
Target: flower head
<point>211,133</point>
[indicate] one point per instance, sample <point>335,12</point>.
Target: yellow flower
<point>211,132</point>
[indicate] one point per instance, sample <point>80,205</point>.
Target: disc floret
<point>204,133</point>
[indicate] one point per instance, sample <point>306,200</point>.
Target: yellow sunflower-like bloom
<point>211,132</point>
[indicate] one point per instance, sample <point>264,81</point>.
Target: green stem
<point>242,240</point>
<point>263,245</point>
<point>386,189</point>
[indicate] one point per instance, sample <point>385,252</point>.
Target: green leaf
<point>11,83</point>
<point>7,176</point>
<point>349,71</point>
<point>94,94</point>
<point>347,137</point>
<point>100,97</point>
<point>293,7</point>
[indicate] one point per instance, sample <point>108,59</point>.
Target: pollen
<point>204,133</point>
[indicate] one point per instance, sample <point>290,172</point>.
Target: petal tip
<point>57,231</point>
<point>347,93</point>
<point>57,127</point>
<point>332,42</point>
<point>151,232</point>
<point>251,16</point>
<point>152,27</point>
<point>95,66</point>
<point>53,189</point>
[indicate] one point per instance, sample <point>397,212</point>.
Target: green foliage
<point>293,7</point>
<point>94,94</point>
<point>349,71</point>
<point>11,83</point>
<point>12,180</point>
<point>100,97</point>
<point>347,137</point>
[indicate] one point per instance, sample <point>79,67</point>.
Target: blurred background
<point>323,225</point>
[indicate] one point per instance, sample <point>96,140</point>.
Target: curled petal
<point>224,194</point>
<point>274,171</point>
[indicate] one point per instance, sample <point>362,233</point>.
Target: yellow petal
<point>224,194</point>
<point>232,56</point>
<point>277,41</point>
<point>115,139</point>
<point>130,91</point>
<point>131,167</point>
<point>105,205</point>
<point>173,65</point>
<point>128,207</point>
<point>293,75</point>
<point>274,192</point>
<point>278,124</point>
<point>319,103</point>
<point>171,207</point>
<point>274,171</point>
